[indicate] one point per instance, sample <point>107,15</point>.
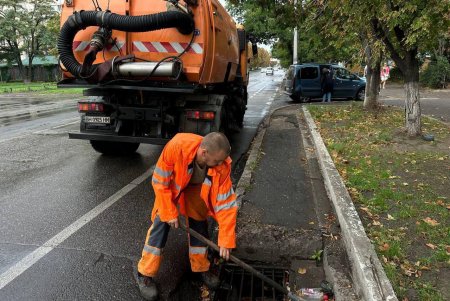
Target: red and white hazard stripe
<point>84,46</point>
<point>167,47</point>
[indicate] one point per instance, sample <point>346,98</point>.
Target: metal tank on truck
<point>152,69</point>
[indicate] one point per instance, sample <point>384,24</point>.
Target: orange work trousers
<point>157,236</point>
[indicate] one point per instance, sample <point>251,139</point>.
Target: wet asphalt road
<point>56,243</point>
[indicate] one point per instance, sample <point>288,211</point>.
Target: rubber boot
<point>147,287</point>
<point>211,280</point>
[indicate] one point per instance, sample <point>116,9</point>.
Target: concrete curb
<point>369,278</point>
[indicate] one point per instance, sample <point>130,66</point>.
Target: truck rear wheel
<point>114,148</point>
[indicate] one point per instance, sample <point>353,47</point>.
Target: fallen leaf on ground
<point>384,247</point>
<point>376,223</point>
<point>430,221</point>
<point>429,245</point>
<point>311,223</point>
<point>302,271</point>
<point>205,293</point>
<point>366,210</point>
<point>390,217</point>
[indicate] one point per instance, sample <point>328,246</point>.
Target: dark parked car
<point>302,82</point>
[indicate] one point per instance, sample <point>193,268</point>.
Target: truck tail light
<point>200,115</point>
<point>90,107</point>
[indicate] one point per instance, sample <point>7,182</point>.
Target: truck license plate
<point>95,119</point>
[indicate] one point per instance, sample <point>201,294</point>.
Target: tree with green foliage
<point>27,27</point>
<point>398,29</point>
<point>437,73</point>
<point>262,60</point>
<point>269,21</point>
<point>350,36</point>
<point>273,23</point>
<point>405,28</point>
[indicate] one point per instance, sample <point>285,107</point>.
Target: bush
<point>437,75</point>
<point>395,75</point>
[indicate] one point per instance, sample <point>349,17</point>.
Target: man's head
<point>213,150</point>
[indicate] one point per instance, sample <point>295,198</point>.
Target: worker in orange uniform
<point>193,173</point>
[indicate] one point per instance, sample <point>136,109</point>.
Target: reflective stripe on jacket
<point>172,174</point>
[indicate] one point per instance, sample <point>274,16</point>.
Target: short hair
<point>215,142</point>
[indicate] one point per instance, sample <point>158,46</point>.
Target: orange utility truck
<point>152,69</point>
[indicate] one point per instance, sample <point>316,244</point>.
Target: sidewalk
<point>287,219</point>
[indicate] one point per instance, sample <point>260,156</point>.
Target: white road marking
<point>77,120</point>
<point>29,260</point>
<point>254,94</point>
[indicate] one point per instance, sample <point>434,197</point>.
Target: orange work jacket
<point>172,174</point>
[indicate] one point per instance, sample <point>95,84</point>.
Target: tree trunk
<point>412,108</point>
<point>19,64</point>
<point>412,101</point>
<point>371,99</point>
<point>29,70</point>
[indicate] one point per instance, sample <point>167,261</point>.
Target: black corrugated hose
<point>80,20</point>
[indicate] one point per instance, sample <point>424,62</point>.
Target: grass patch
<point>400,186</point>
<point>37,87</point>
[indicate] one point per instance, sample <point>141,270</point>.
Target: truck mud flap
<point>102,137</point>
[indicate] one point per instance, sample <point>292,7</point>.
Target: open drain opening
<point>240,285</point>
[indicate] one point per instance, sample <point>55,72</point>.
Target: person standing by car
<point>384,75</point>
<point>327,84</point>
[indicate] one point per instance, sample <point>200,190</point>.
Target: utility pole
<point>295,58</point>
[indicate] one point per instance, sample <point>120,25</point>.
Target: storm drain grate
<point>240,285</point>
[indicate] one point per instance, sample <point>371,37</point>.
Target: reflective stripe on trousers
<point>158,232</point>
<point>198,255</point>
<point>151,254</point>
